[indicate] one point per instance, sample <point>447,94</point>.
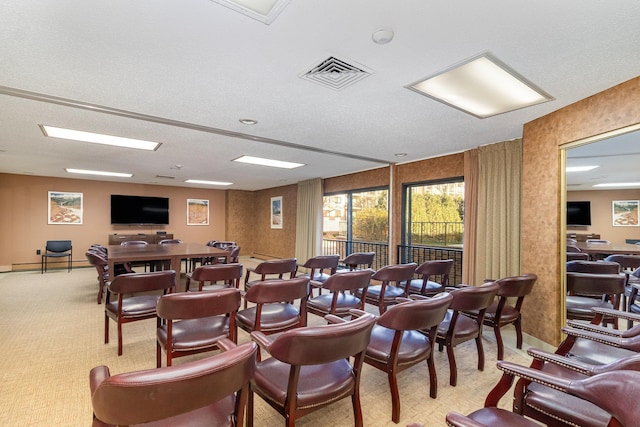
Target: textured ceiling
<point>184,73</point>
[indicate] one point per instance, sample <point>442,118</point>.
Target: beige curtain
<point>498,226</point>
<point>309,220</point>
<point>470,216</point>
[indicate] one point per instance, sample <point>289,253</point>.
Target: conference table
<point>609,248</point>
<point>118,254</point>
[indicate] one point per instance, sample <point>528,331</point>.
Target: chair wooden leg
<point>106,329</point>
<point>499,343</point>
<point>158,355</point>
<point>357,408</point>
<point>453,369</point>
<point>119,339</point>
<point>433,378</point>
<point>395,397</point>
<point>250,408</point>
<point>518,325</point>
<point>480,353</point>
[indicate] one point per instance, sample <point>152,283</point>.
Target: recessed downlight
<point>248,122</point>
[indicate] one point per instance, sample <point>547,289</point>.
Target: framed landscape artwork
<point>276,212</point>
<point>625,213</point>
<point>197,212</point>
<point>64,208</point>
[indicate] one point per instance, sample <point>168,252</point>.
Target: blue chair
<point>56,249</point>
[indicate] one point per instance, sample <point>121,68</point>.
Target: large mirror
<point>616,155</point>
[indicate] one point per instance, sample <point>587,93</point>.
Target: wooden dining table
<point>609,248</point>
<point>175,253</point>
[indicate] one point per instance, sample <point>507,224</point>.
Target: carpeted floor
<point>51,330</point>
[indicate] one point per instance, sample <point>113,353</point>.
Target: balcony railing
<point>413,253</point>
<point>436,233</point>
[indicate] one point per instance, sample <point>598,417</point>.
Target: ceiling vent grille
<point>336,74</point>
<point>165,176</point>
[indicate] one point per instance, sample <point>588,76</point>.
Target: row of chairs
<point>404,334</point>
<point>590,380</point>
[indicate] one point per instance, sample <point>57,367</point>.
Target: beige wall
<point>275,242</point>
<point>601,214</point>
<point>614,108</point>
<point>25,227</point>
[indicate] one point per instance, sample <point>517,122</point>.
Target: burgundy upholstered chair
<point>137,298</point>
<point>502,312</point>
<point>341,297</point>
<point>215,276</point>
<point>194,322</point>
<point>586,290</point>
<point>629,264</point>
<point>310,367</point>
<point>429,270</point>
<point>280,305</point>
<point>270,270</point>
<point>359,260</point>
<point>457,328</point>
<point>320,267</point>
<point>393,284</point>
<point>609,391</point>
<point>100,262</point>
<point>397,342</point>
<point>211,391</point>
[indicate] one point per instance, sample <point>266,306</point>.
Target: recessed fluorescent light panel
<point>482,87</point>
<point>619,184</point>
<point>268,162</point>
<point>262,10</point>
<point>580,168</point>
<point>98,138</point>
<point>100,173</point>
<point>199,181</point>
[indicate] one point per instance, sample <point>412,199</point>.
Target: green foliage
<point>370,224</point>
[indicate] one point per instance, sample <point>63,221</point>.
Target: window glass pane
<point>334,214</point>
<point>436,214</point>
<point>370,216</point>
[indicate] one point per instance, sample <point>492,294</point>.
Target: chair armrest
<point>617,313</point>
<point>598,329</point>
<point>535,375</point>
<point>226,344</point>
<point>97,376</point>
<point>315,283</point>
<point>416,297</point>
<point>333,319</point>
<point>556,359</point>
<point>455,419</point>
<point>264,341</point>
<point>593,336</point>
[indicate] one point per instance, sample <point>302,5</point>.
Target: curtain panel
<point>309,220</point>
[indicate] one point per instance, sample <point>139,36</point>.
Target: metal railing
<point>422,253</point>
<point>436,233</point>
<point>413,253</point>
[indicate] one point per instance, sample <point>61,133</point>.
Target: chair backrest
<point>597,242</point>
<point>222,244</point>
<point>319,262</point>
<point>472,298</point>
<point>594,267</point>
<point>96,259</point>
<point>595,284</point>
<point>229,273</point>
<point>169,241</point>
<point>279,290</point>
<point>395,272</point>
<point>364,259</point>
<point>438,267</point>
<point>421,314</point>
<point>132,283</point>
<point>58,246</point>
<point>573,248</point>
<point>196,305</point>
<point>627,263</point>
<point>278,266</point>
<point>577,256</point>
<point>315,345</point>
<point>234,252</point>
<point>161,393</point>
<point>516,286</point>
<point>134,243</point>
<point>348,281</point>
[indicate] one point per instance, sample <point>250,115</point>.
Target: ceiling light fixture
<point>619,184</point>
<point>482,86</point>
<point>98,138</point>
<point>248,121</point>
<point>262,10</point>
<point>580,168</point>
<point>268,162</point>
<point>382,36</point>
<point>400,154</point>
<point>100,173</point>
<point>199,181</point>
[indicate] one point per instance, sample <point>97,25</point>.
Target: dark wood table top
<point>609,248</point>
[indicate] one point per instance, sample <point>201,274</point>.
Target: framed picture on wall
<point>64,208</point>
<point>625,213</point>
<point>197,212</point>
<point>276,212</point>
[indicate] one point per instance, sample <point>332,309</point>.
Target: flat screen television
<point>139,210</point>
<point>579,213</point>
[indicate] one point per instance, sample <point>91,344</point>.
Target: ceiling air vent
<point>165,176</point>
<point>335,73</point>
